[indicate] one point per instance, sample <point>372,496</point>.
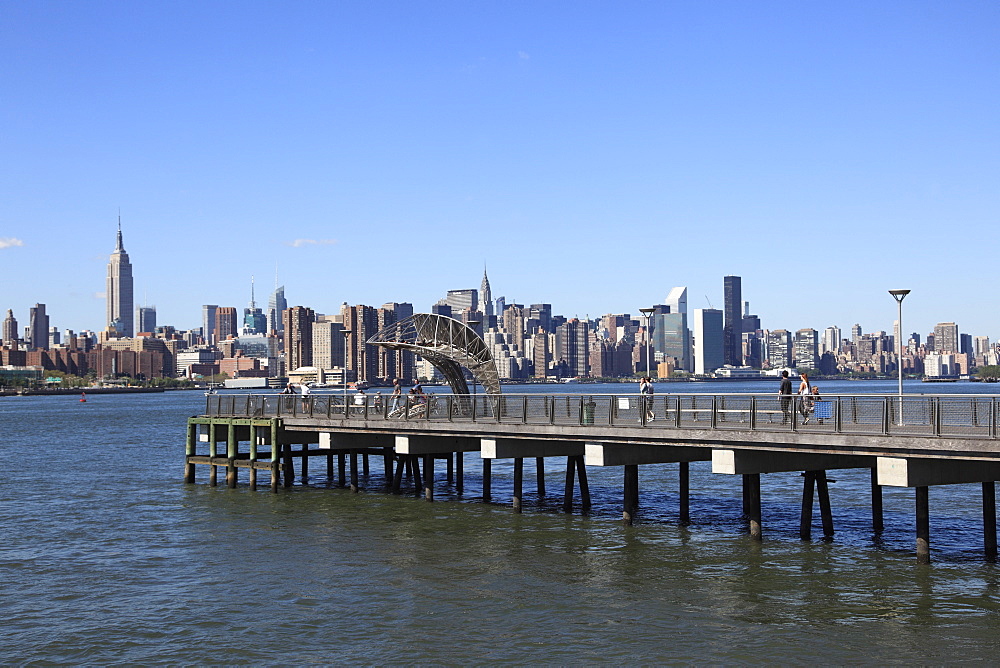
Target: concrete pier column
<point>752,481</point>
<point>305,462</point>
<point>990,520</point>
<point>540,476</point>
<point>429,477</point>
<point>341,469</point>
<point>923,525</point>
<point>877,517</point>
<point>487,480</point>
<point>684,491</point>
<point>354,471</point>
<point>518,482</point>
<point>825,511</point>
<point>805,519</point>
<point>459,472</point>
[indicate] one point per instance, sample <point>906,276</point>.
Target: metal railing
<point>940,416</point>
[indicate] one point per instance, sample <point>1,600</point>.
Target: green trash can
<point>589,406</point>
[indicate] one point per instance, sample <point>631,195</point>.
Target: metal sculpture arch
<point>446,343</point>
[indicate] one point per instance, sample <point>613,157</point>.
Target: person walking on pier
<point>805,398</point>
<point>646,397</point>
<point>785,392</point>
<point>397,395</point>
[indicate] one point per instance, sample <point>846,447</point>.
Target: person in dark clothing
<point>785,392</point>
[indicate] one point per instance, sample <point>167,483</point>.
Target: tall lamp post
<point>899,295</point>
<point>648,312</point>
<point>346,333</point>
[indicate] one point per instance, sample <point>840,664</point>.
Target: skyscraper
<point>208,313</point>
<point>119,289</point>
<point>146,317</point>
<point>38,327</point>
<point>708,334</point>
<point>10,335</point>
<point>807,349</point>
<point>733,325</point>
<point>677,300</point>
<point>298,337</point>
<point>254,320</point>
<point>226,323</point>
<point>276,304</point>
<point>946,338</point>
<point>486,295</point>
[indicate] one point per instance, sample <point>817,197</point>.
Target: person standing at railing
<point>785,392</point>
<point>646,397</point>
<point>304,391</point>
<point>805,397</point>
<point>397,395</point>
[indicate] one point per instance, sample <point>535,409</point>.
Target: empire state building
<point>119,290</point>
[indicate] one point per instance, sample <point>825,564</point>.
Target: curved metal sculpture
<point>446,343</point>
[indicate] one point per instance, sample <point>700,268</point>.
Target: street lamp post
<point>648,312</point>
<point>899,295</point>
<point>346,333</point>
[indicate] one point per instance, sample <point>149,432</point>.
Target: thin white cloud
<point>100,295</point>
<point>523,56</point>
<point>299,243</point>
<point>8,242</point>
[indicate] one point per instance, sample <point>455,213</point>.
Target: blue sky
<point>591,154</point>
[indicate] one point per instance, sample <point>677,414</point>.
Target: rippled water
<point>107,557</point>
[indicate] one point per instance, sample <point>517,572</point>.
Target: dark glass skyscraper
<point>733,326</point>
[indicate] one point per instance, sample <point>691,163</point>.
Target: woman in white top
<point>805,398</point>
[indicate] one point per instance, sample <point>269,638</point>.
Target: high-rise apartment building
<point>119,290</point>
<point>779,348</point>
<point>946,338</point>
<point>145,316</point>
<point>227,321</point>
<point>10,335</point>
<point>572,338</point>
<point>708,336</point>
<point>327,344</point>
<point>831,340</point>
<point>733,319</point>
<point>362,358</point>
<point>38,327</point>
<point>298,324</point>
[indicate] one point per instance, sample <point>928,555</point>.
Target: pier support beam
<point>877,517</point>
<point>923,525</point>
<point>518,482</point>
<point>434,445</point>
<point>684,492</point>
<point>734,462</point>
<point>990,520</point>
<point>513,448</point>
<point>902,472</point>
<point>429,477</point>
<point>354,471</point>
<point>540,476</point>
<point>487,480</point>
<point>752,481</point>
<point>630,489</point>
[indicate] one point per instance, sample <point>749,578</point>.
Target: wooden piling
<point>805,519</point>
<point>568,492</point>
<point>354,471</point>
<point>487,479</point>
<point>190,449</point>
<point>429,477</point>
<point>213,452</point>
<point>825,511</point>
<point>990,520</point>
<point>254,437</point>
<point>540,477</point>
<point>923,525</point>
<point>581,475</point>
<point>684,491</point>
<point>275,459</point>
<point>877,521</point>
<point>231,449</point>
<point>752,481</point>
<point>289,467</point>
<point>397,478</point>
<point>518,482</point>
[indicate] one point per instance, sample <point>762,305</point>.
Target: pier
<point>915,441</point>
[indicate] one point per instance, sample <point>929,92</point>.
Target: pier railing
<point>941,416</point>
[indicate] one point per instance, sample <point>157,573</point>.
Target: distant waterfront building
<point>226,323</point>
<point>146,317</point>
<point>119,289</point>
<point>298,323</point>
<point>855,334</point>
<point>831,340</point>
<point>946,338</point>
<point>807,349</point>
<point>733,321</point>
<point>779,348</point>
<point>572,349</point>
<point>38,327</point>
<point>10,335</point>
<point>208,315</point>
<point>708,336</point>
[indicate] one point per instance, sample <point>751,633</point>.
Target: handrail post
<point>753,413</point>
<point>838,418</point>
<point>473,408</point>
<point>937,416</point>
<point>993,418</point>
<point>885,415</point>
<point>677,411</point>
<point>524,409</point>
<point>715,412</point>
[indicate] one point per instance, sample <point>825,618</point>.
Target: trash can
<point>588,410</point>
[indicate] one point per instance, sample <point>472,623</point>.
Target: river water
<point>108,557</point>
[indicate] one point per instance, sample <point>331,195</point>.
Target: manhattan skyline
<point>592,156</point>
